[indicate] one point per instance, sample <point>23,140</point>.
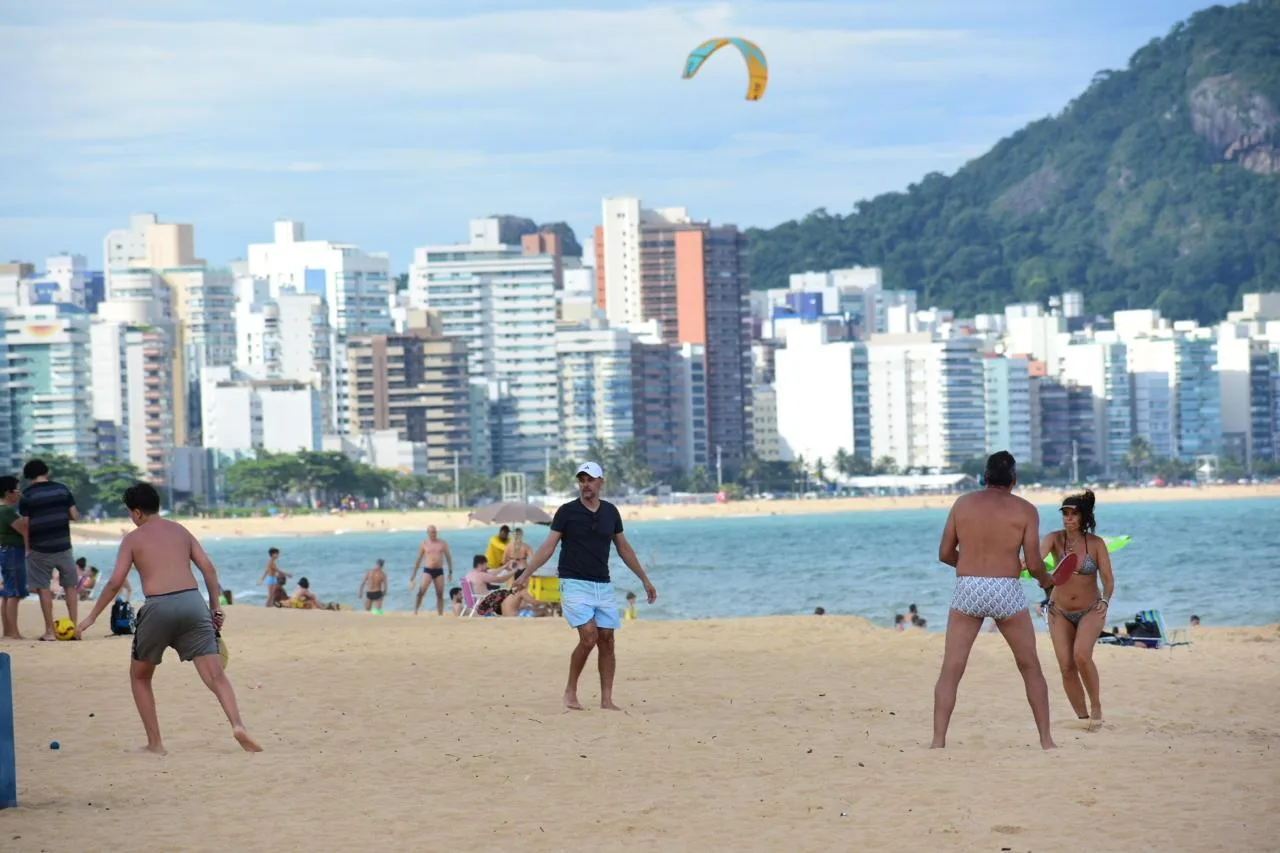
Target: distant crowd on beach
<point>485,590</point>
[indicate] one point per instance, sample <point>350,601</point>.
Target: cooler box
<point>545,589</point>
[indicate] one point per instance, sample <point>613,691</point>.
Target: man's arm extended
<point>210,574</point>
<point>124,562</point>
<point>1031,549</point>
<point>540,557</point>
<point>628,555</point>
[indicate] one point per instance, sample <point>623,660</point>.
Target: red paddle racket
<point>1065,569</point>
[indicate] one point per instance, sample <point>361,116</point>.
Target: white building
<point>1007,396</point>
<point>764,424</point>
<point>355,285</point>
<point>595,388</point>
<point>1103,366</point>
<point>44,362</point>
<point>927,400</point>
<point>624,219</point>
<point>277,415</point>
<point>1032,332</point>
<point>502,302</point>
<point>822,397</point>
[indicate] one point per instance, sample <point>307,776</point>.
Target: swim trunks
<point>179,620</point>
<point>374,596</point>
<point>435,573</point>
<point>998,598</point>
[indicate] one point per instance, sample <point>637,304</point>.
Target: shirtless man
<point>982,537</point>
<point>174,614</point>
<point>434,553</point>
<point>374,586</point>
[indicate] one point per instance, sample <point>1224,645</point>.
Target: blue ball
<point>53,744</point>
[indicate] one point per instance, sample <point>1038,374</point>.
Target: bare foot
<point>1047,743</point>
<point>609,706</point>
<point>571,701</point>
<point>158,749</point>
<point>938,744</point>
<point>48,638</point>
<point>246,742</point>
<point>1095,720</point>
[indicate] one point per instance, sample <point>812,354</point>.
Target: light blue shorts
<point>581,601</point>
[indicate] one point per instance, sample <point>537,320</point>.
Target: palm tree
<point>844,462</point>
<point>1138,459</point>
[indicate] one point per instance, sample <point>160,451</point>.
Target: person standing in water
<point>1077,613</point>
<point>373,587</point>
<point>275,578</point>
<point>984,533</point>
<point>588,527</point>
<point>433,555</point>
<point>174,615</point>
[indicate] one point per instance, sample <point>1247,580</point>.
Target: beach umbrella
<point>511,512</point>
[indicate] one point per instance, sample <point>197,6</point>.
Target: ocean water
<point>1217,559</point>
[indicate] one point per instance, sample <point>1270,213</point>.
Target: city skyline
<point>387,129</point>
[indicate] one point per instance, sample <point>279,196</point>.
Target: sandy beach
<point>319,525</point>
<point>797,733</point>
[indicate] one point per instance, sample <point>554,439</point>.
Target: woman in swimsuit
<point>1076,612</point>
<point>516,556</point>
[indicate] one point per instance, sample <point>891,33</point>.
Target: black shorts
<point>374,596</point>
<point>434,573</point>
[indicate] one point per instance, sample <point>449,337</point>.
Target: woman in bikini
<point>516,556</point>
<point>1077,613</point>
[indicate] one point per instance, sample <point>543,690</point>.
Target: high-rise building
<point>927,400</point>
<point>764,424</point>
<point>1199,397</point>
<point>1153,412</point>
<point>416,384</point>
<point>47,398</point>
<point>1264,404</point>
<point>1007,404</point>
<point>1103,365</point>
<point>692,278</point>
<point>501,301</point>
<point>595,388</point>
<point>243,414</point>
<point>669,403</point>
<point>822,397</point>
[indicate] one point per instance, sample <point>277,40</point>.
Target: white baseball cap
<point>591,469</point>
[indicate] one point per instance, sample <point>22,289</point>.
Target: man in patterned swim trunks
<point>982,538</point>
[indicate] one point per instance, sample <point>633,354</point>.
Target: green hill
<point>1160,185</point>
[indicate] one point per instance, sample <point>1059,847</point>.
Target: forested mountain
<point>1160,185</point>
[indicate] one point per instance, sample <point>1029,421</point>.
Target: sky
<point>391,123</point>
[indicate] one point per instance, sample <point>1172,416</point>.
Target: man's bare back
<point>991,527</point>
<point>375,580</point>
<point>163,552</point>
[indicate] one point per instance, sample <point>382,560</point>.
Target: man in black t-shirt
<point>48,509</point>
<point>586,529</point>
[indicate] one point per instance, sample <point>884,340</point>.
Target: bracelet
<point>1104,601</point>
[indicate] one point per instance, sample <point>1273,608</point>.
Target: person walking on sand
<point>982,538</point>
<point>47,509</point>
<point>373,587</point>
<point>174,615</point>
<point>587,528</point>
<point>433,555</point>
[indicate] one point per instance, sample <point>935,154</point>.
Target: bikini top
<point>1087,566</point>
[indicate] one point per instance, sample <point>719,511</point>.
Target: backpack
<point>121,617</point>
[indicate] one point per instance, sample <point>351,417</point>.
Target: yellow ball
<point>64,629</point>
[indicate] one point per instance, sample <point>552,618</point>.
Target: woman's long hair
<point>1083,504</point>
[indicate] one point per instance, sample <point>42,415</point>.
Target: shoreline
<point>109,531</point>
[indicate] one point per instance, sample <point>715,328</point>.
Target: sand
<point>418,520</point>
<point>780,734</point>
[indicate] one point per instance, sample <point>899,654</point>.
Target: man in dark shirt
<point>13,558</point>
<point>586,529</point>
<point>49,508</point>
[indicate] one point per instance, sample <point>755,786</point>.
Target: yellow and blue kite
<point>757,67</point>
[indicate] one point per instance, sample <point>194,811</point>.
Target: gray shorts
<point>179,620</point>
<point>40,568</point>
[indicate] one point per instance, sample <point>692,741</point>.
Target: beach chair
<point>469,601</point>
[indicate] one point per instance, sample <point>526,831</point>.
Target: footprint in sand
<point>1006,829</point>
